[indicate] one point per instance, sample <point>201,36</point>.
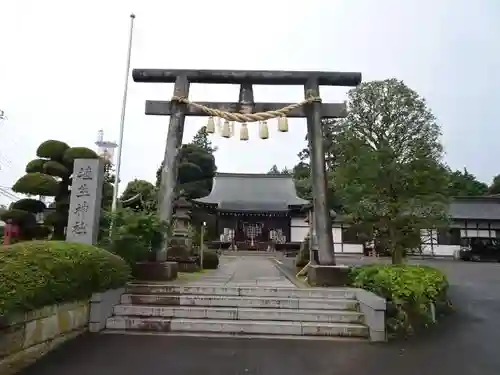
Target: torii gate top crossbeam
<point>256,77</point>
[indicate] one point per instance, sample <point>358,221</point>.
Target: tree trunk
<point>58,233</point>
<point>397,255</point>
<point>397,251</point>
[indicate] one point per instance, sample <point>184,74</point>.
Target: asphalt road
<point>465,344</point>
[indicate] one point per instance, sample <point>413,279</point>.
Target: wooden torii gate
<point>312,108</point>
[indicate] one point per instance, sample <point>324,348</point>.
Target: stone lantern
<point>182,217</point>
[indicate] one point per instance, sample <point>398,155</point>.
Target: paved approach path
<point>446,350</point>
<point>253,270</point>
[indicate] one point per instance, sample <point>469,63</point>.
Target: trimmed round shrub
<point>19,217</point>
<point>409,290</point>
<point>37,184</point>
<point>31,205</point>
<point>78,153</point>
<point>54,168</point>
<point>35,165</point>
<point>40,232</point>
<point>210,260</point>
<point>52,149</point>
<point>39,273</point>
<point>189,171</point>
<point>55,218</point>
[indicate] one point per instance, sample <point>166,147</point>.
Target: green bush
<point>19,217</point>
<point>136,236</point>
<point>31,205</point>
<point>35,166</point>
<point>73,153</point>
<point>37,184</point>
<point>130,248</point>
<point>52,149</point>
<point>210,260</point>
<point>54,168</point>
<point>409,290</point>
<point>39,273</point>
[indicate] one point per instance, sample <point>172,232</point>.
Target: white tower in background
<point>105,149</point>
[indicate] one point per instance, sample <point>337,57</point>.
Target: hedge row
<point>410,291</point>
<point>39,273</point>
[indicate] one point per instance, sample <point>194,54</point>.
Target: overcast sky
<point>62,70</point>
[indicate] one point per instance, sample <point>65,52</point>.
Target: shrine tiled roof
<point>479,208</point>
<point>253,192</point>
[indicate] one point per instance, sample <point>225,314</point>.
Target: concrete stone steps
<point>251,253</point>
<point>235,313</point>
<point>250,291</point>
<point>240,301</point>
<point>236,327</point>
<point>219,335</point>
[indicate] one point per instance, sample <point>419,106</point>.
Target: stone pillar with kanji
<point>85,202</point>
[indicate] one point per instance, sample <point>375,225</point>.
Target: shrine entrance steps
<point>246,253</point>
<point>238,311</point>
<point>246,296</point>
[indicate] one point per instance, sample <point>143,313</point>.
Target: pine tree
<point>201,140</point>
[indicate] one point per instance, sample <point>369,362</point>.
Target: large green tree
<point>140,195</point>
<point>330,132</point>
<point>201,140</point>
<point>494,188</point>
<point>388,165</point>
<point>49,175</point>
<point>302,171</point>
<point>275,170</point>
<point>108,186</point>
<point>196,171</point>
<point>463,183</point>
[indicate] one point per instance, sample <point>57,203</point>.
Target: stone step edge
<point>294,328</point>
<point>264,291</point>
<point>201,297</point>
<point>235,335</point>
<point>355,315</point>
<point>221,296</point>
<point>256,287</point>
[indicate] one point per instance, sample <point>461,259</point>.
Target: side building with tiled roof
<point>470,217</point>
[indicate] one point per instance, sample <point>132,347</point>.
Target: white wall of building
<point>299,230</point>
<point>430,245</point>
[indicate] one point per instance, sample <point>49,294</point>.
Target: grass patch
<point>191,276</point>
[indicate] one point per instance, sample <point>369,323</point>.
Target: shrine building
<point>254,211</point>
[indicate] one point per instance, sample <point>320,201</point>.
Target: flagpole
<point>122,119</point>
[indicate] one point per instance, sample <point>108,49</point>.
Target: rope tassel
<point>263,130</point>
<point>226,131</point>
<point>211,125</point>
<point>244,132</point>
<point>282,124</point>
